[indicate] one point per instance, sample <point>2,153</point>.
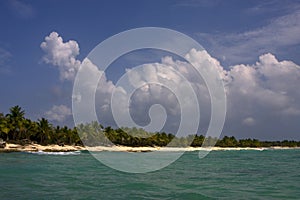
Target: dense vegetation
<point>15,128</point>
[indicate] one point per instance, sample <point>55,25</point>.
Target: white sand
<point>37,147</point>
<point>145,149</point>
<point>65,148</point>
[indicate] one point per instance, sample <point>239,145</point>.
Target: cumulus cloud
<point>164,83</point>
<point>268,84</point>
<point>266,91</point>
<point>58,113</point>
<point>62,55</point>
<point>262,98</point>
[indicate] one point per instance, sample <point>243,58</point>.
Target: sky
<point>254,45</point>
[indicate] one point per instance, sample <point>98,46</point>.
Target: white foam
<point>56,153</point>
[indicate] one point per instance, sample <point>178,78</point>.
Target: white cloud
<point>62,55</point>
<point>58,113</point>
<point>269,85</point>
<point>266,90</point>
<point>174,76</point>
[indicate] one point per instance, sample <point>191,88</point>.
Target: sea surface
<point>245,174</point>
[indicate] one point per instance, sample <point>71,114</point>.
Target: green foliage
<point>228,142</point>
<point>15,128</point>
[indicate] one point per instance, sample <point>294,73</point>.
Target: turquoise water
<point>269,174</point>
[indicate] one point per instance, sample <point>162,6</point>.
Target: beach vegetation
<point>16,128</point>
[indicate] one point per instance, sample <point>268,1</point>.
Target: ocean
<point>245,174</point>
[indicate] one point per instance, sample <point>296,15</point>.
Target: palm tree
<point>4,126</point>
<point>31,129</point>
<point>45,130</point>
<point>16,119</point>
<point>16,112</point>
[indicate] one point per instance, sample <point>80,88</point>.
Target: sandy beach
<point>36,147</point>
<point>67,148</point>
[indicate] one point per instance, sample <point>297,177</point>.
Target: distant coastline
<point>18,133</point>
<point>116,148</point>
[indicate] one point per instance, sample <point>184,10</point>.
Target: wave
<point>56,153</point>
<point>169,149</point>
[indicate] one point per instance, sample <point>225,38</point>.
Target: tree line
<point>15,128</point>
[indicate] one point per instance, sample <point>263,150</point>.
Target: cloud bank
<point>263,98</point>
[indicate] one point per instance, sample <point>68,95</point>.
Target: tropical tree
<point>16,120</point>
<point>198,141</point>
<point>44,131</point>
<point>4,127</point>
<point>31,129</point>
<point>227,142</point>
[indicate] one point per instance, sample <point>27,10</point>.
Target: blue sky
<point>232,32</point>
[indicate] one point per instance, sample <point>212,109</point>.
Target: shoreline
<point>37,147</point>
<point>69,148</point>
<point>174,149</point>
